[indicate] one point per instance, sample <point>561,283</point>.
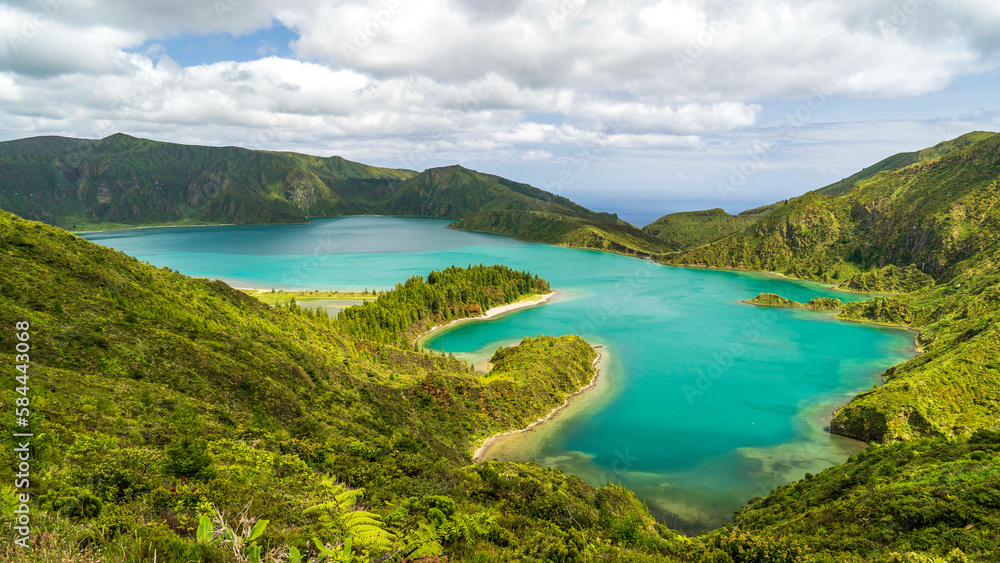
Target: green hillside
<point>491,204</point>
<point>902,160</point>
<point>158,402</point>
<point>156,398</point>
<point>680,231</point>
<point>126,181</point>
<point>455,192</point>
<point>929,229</point>
<point>932,214</point>
<point>686,230</point>
<point>122,181</point>
<point>953,387</point>
<point>924,501</point>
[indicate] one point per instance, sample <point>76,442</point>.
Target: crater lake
<point>703,401</point>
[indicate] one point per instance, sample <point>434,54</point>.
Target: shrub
<point>188,456</point>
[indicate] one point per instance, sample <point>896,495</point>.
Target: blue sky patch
<point>191,50</point>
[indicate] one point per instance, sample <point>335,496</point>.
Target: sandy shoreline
<point>477,457</point>
<point>490,313</point>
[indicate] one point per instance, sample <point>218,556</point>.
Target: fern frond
<point>422,542</point>
<point>349,499</point>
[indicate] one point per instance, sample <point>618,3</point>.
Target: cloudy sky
<point>639,107</point>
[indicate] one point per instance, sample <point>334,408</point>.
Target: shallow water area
<point>703,401</point>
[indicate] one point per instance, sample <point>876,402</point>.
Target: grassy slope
<point>931,214</point>
<point>123,181</point>
<point>680,231</point>
<point>126,180</point>
<point>902,160</point>
<point>800,238</point>
<point>126,359</point>
<point>689,229</point>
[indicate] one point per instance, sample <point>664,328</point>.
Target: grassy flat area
<point>283,297</point>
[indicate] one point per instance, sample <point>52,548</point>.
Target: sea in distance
<point>703,400</point>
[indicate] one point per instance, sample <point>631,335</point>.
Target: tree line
<point>399,315</point>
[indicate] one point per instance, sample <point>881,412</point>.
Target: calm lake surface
<point>703,401</point>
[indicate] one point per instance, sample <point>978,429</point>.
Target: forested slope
<point>156,399</point>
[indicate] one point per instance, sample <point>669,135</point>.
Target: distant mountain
<point>122,181</point>
<point>125,181</point>
<point>491,204</point>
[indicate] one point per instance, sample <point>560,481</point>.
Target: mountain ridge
<point>122,181</point>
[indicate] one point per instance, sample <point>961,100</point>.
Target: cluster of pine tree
<point>397,316</point>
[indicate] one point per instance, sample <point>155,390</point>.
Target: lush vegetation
<point>926,231</point>
<point>158,400</point>
<point>123,181</point>
<point>921,501</point>
<point>688,229</point>
<point>902,160</point>
<point>180,419</point>
<point>399,316</point>
<point>889,279</point>
<point>775,300</point>
<point>930,215</point>
<point>953,387</point>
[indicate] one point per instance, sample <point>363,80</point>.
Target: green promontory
<point>773,300</point>
<point>606,233</point>
<point>824,303</point>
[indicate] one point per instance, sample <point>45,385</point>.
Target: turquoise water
<point>703,402</point>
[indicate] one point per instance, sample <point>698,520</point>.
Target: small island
<point>775,300</point>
